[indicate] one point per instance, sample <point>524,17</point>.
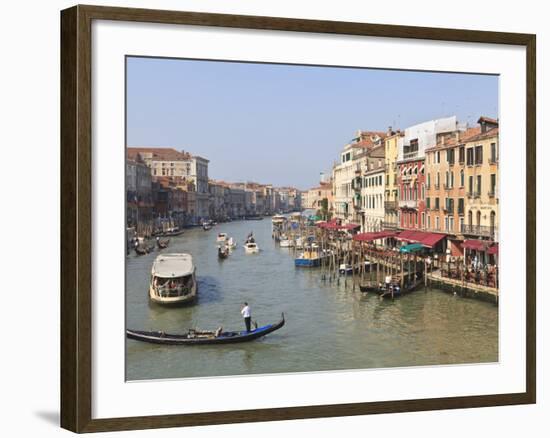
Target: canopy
<point>476,244</point>
<point>426,239</point>
<point>413,247</point>
<point>369,237</point>
<point>493,250</point>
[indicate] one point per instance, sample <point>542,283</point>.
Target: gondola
<point>162,243</point>
<point>200,337</point>
<point>223,253</point>
<point>140,250</point>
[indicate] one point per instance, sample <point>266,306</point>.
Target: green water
<point>328,327</point>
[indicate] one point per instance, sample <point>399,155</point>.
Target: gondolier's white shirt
<point>245,312</point>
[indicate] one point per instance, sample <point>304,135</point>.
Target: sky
<point>285,124</point>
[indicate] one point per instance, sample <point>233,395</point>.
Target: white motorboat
<point>221,238</point>
<point>173,279</point>
<point>286,243</point>
<point>251,248</point>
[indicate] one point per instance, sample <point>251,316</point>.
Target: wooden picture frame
<point>76,217</point>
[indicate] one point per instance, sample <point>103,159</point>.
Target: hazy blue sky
<point>285,124</point>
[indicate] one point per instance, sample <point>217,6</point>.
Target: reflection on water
<point>328,327</point>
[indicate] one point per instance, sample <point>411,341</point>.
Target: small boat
<point>173,279</point>
<point>231,243</point>
<point>250,239</point>
<point>254,218</point>
<point>206,227</point>
<point>162,243</point>
<point>171,232</point>
<point>251,248</point>
<point>223,252</point>
<point>308,259</point>
<point>198,337</point>
<point>140,250</point>
<point>222,237</point>
<point>345,269</point>
<point>286,243</point>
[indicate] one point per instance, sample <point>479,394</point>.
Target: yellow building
<point>481,175</point>
<point>391,193</point>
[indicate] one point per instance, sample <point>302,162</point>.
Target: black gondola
<point>162,243</point>
<point>223,253</point>
<point>198,337</point>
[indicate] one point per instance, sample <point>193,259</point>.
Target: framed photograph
<point>269,218</point>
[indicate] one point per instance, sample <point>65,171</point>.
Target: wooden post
<point>402,273</point>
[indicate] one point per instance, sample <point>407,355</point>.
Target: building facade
<point>481,178</point>
<point>391,190</point>
<point>372,185</point>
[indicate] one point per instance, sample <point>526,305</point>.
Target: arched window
<point>470,218</point>
<point>478,218</point>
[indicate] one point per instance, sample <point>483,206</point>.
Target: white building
<point>199,175</point>
<point>346,175</point>
<point>373,185</point>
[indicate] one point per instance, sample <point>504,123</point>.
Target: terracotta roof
<point>163,154</point>
<point>482,135</point>
<point>368,139</point>
<point>487,120</point>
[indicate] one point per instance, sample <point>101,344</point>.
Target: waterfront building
<point>445,186</point>
<point>318,198</point>
<point>391,191</point>
<point>347,203</point>
<point>139,198</point>
<point>236,201</point>
<point>163,161</point>
<point>411,169</point>
<point>372,189</point>
<point>481,179</point>
<point>217,208</point>
<point>199,175</point>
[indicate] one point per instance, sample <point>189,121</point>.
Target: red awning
<point>493,250</point>
<point>427,239</point>
<point>432,239</point>
<point>476,244</point>
<point>369,237</point>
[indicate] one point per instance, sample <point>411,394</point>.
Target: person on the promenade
<point>245,312</point>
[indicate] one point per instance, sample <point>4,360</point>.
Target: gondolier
<point>245,312</point>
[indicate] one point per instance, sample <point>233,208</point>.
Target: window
<point>437,180</point>
<point>493,153</point>
<point>437,203</point>
<point>451,223</point>
<point>429,181</point>
<point>451,156</point>
<point>452,179</point>
<point>423,192</point>
<point>461,154</point>
<point>479,185</point>
<point>428,203</point>
<point>470,218</point>
<point>438,157</point>
<point>470,185</point>
<point>461,223</point>
<point>437,222</point>
<point>446,179</point>
<point>493,184</point>
<point>446,223</point>
<point>460,205</point>
<point>429,222</point>
<point>479,155</point>
<point>423,219</point>
<point>461,178</point>
<point>470,157</point>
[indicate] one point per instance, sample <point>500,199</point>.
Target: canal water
<point>328,327</point>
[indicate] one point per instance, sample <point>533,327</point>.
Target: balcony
<point>479,230</point>
<point>390,205</point>
<point>447,187</point>
<point>410,204</point>
<point>409,155</point>
<point>385,225</point>
<point>449,210</point>
<point>491,194</point>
